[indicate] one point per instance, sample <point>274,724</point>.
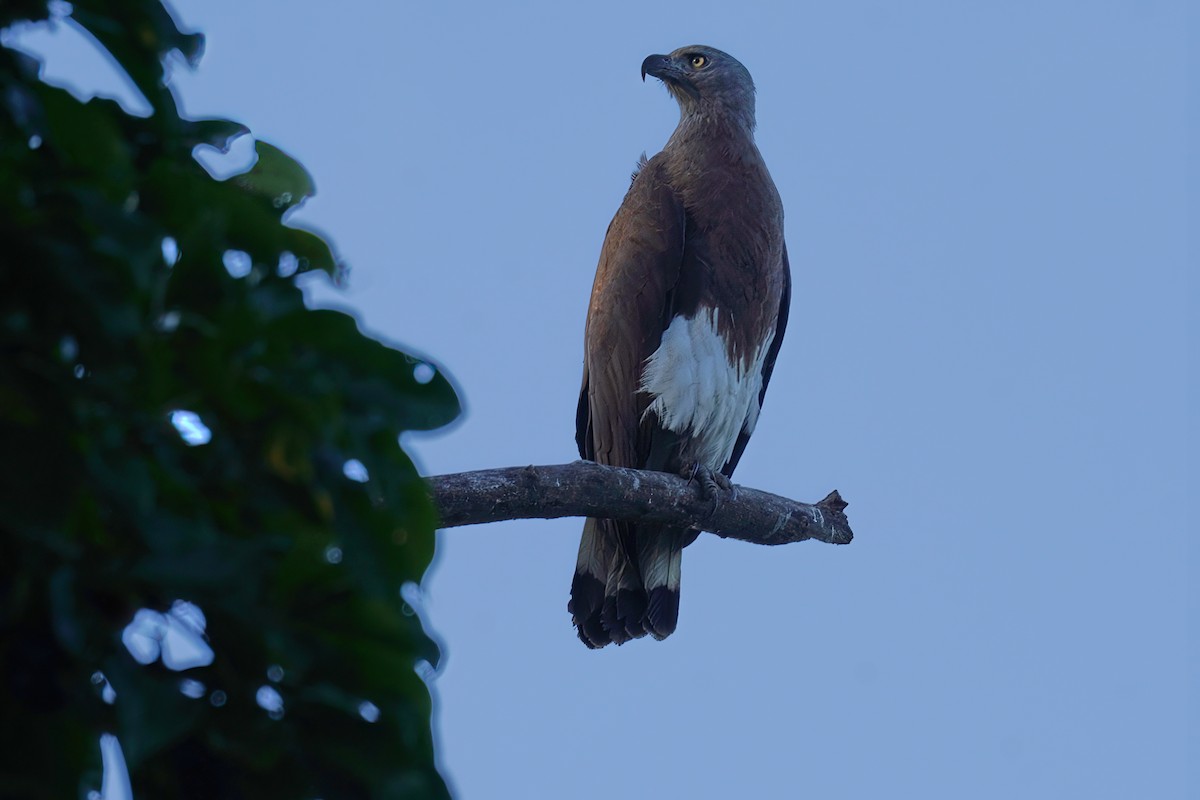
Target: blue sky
<point>987,216</point>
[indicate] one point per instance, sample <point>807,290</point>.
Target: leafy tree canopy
<point>175,426</point>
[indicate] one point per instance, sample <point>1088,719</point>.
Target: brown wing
<point>785,301</point>
<point>629,309</point>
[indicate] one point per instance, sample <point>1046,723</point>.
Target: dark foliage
<point>105,509</point>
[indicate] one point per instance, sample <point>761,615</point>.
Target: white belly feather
<point>699,391</point>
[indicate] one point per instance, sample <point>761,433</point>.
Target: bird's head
<point>705,80</point>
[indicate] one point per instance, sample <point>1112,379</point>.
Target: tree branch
<point>586,489</point>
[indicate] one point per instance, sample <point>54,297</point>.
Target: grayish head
<point>705,82</point>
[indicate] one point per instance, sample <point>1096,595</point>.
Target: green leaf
<point>108,510</point>
<point>216,133</point>
<point>138,34</point>
<point>277,177</point>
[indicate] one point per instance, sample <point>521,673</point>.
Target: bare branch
<point>585,489</point>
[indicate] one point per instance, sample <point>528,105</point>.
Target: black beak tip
<point>653,65</point>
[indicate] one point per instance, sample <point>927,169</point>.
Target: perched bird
<point>686,317</point>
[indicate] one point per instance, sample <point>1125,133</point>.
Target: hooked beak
<point>669,72</point>
<point>658,66</point>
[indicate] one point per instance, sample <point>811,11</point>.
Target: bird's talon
<point>712,484</point>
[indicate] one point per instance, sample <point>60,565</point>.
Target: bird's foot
<point>712,483</point>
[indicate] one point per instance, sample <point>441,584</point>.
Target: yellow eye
<point>699,62</point>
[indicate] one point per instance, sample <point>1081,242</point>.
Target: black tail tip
<point>662,612</point>
<point>617,618</point>
<point>585,607</point>
<point>623,613</point>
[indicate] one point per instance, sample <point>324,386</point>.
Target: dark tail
<point>596,551</point>
<point>626,583</point>
<point>660,557</point>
